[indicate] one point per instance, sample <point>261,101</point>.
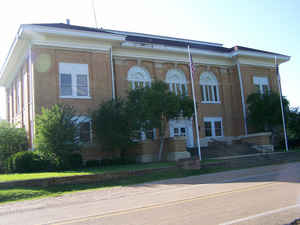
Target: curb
<point>82,179</point>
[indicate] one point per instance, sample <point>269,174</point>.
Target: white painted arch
<point>138,73</point>
<point>208,78</point>
<point>176,76</point>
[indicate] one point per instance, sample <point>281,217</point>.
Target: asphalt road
<point>265,195</point>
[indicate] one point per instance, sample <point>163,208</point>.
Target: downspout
<point>243,97</point>
<point>112,76</point>
<point>31,108</point>
<point>281,105</point>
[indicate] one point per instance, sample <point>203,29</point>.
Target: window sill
<point>75,97</point>
<point>214,137</point>
<point>206,102</point>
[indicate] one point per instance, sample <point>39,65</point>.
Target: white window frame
<point>212,120</point>
<point>208,81</point>
<point>261,81</point>
<point>74,69</point>
<point>140,75</point>
<point>176,77</point>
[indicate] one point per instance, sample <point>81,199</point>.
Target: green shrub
<point>75,160</point>
<point>28,161</point>
<point>12,140</point>
<point>56,131</point>
<point>92,163</point>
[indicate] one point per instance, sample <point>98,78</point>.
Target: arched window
<point>209,88</point>
<point>177,81</point>
<point>138,77</point>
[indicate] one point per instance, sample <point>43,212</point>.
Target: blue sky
<point>265,24</point>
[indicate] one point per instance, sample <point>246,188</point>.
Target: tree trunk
<point>161,147</point>
<point>162,139</point>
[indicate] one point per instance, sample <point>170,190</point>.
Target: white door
<point>182,128</point>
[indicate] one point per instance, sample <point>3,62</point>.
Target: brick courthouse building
<point>81,66</point>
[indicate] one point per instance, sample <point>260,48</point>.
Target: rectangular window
<point>207,93</point>
<point>176,132</point>
<point>261,84</point>
<point>265,89</point>
<point>215,93</point>
<point>74,80</point>
<point>182,131</point>
<point>203,93</point>
<point>65,84</point>
<point>207,126</point>
<point>210,93</point>
<point>213,126</point>
<point>218,128</point>
<point>82,85</point>
<point>179,131</point>
<point>150,134</point>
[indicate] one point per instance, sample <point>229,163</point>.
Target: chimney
<point>68,21</point>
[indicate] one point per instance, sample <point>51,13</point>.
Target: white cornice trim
<point>71,45</point>
<point>259,55</point>
<point>231,55</point>
<point>124,54</point>
<point>14,61</point>
<point>165,48</point>
<point>73,33</point>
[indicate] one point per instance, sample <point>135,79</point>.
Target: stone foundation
<point>148,151</point>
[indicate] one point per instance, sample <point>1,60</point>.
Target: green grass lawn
<point>85,171</point>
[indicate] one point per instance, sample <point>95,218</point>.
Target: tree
<point>113,125</point>
<point>293,128</point>
<point>264,112</point>
<point>155,106</point>
<point>56,132</point>
<point>12,140</point>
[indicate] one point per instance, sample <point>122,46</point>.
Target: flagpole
<point>281,105</point>
<point>195,105</point>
